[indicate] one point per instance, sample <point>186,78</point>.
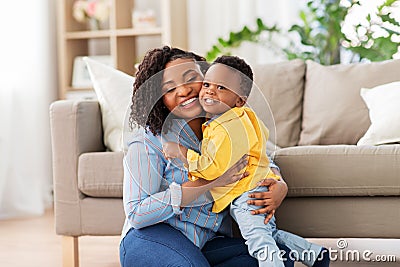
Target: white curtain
<point>28,85</point>
<point>210,19</point>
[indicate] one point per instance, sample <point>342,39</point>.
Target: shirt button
<point>216,224</point>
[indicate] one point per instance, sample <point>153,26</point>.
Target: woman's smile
<point>189,103</point>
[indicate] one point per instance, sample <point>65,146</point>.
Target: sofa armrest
<point>76,128</point>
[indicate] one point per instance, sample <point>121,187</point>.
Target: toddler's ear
<point>241,100</point>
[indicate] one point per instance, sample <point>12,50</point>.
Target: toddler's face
<point>221,89</point>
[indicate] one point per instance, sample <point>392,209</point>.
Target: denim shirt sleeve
<point>147,197</point>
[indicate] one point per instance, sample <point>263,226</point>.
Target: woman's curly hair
<point>147,107</point>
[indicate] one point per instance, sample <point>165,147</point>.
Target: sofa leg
<point>70,251</point>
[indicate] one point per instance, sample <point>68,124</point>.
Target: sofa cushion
<point>280,85</point>
<point>113,89</point>
<point>333,110</point>
<point>384,112</point>
<point>100,174</point>
<point>341,170</point>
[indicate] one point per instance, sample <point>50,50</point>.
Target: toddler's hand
<point>171,150</point>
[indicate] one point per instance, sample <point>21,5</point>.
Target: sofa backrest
<point>333,110</point>
<point>312,104</point>
<point>281,85</point>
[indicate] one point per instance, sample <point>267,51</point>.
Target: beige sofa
<point>336,188</point>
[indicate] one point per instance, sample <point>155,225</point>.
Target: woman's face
<point>181,84</point>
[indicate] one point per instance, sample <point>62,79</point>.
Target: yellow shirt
<point>225,140</point>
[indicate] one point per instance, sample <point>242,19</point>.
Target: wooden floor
<point>32,242</point>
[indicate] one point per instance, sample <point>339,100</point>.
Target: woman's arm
<point>193,189</point>
<point>148,199</point>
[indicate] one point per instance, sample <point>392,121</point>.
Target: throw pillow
<point>333,111</point>
<point>280,85</point>
<point>113,89</point>
<point>384,113</point>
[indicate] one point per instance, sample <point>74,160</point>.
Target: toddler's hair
<point>240,65</point>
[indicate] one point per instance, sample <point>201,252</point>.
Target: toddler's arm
<point>174,150</point>
<point>217,155</point>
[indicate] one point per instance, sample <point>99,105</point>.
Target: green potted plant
<point>320,36</point>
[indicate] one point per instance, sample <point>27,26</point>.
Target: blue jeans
<point>163,245</point>
<point>263,239</point>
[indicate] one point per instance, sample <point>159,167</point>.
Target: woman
<point>168,219</point>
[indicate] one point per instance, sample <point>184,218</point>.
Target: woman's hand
<point>270,200</point>
<point>232,175</point>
